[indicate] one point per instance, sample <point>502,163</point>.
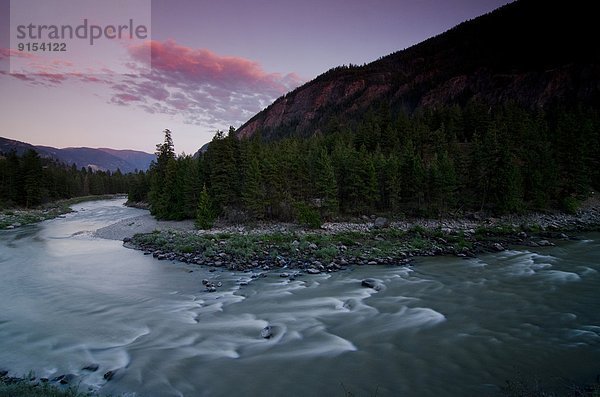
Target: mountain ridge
<point>521,52</point>
<point>104,159</point>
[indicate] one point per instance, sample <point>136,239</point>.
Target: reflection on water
<point>445,326</point>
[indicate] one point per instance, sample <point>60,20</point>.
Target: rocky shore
<point>335,246</point>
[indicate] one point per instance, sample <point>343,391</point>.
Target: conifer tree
<point>204,215</point>
<point>165,152</point>
<point>326,186</point>
<point>32,174</point>
<point>254,191</point>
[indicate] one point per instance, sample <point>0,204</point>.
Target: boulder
<point>545,243</point>
<point>381,223</point>
<point>91,367</point>
<point>369,283</point>
<point>267,332</point>
<point>312,270</point>
<point>497,247</point>
<point>110,374</point>
<point>64,379</point>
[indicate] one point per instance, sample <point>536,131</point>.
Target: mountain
<point>97,159</point>
<point>531,52</point>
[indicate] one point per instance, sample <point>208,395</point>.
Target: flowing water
<point>443,327</point>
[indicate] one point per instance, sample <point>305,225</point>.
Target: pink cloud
<point>181,63</point>
<point>202,87</point>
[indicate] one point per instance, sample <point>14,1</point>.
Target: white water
<point>446,326</point>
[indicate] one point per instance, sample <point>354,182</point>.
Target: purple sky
<point>215,64</point>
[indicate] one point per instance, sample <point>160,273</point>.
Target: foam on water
<point>560,276</point>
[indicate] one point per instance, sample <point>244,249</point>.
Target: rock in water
<point>267,332</point>
<point>369,283</point>
<point>92,368</point>
<point>109,375</point>
<point>64,379</point>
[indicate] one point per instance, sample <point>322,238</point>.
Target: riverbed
<point>443,326</point>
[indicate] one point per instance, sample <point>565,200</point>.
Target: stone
<point>312,246</point>
<point>498,247</point>
<point>109,375</point>
<point>522,235</point>
<point>205,282</point>
<point>369,283</point>
<point>381,223</point>
<point>312,270</point>
<point>64,379</point>
<point>267,332</point>
<point>91,367</point>
<point>545,243</point>
<point>371,263</point>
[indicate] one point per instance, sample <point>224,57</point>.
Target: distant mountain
<point>98,159</point>
<point>531,52</point>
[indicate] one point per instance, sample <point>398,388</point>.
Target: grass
<point>294,245</point>
<point>22,388</point>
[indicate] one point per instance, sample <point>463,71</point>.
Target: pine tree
<point>165,152</point>
<point>32,173</point>
<point>204,215</point>
<point>223,172</point>
<point>326,186</point>
<point>254,190</point>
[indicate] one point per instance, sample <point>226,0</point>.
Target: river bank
<point>374,241</point>
<point>12,218</point>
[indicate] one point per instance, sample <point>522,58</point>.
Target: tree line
<point>29,180</point>
<point>433,162</point>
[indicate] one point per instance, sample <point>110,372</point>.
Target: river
<point>442,327</point>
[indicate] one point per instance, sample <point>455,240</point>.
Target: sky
<point>203,66</point>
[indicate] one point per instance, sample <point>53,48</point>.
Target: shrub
<point>308,216</point>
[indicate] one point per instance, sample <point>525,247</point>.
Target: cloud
<point>198,85</point>
<point>201,85</point>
